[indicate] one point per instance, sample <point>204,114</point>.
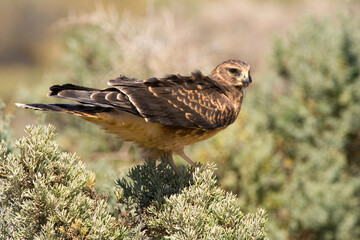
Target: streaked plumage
<point>161,115</point>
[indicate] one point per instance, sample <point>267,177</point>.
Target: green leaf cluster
<point>48,194</point>
<point>199,209</point>
<point>204,211</point>
<point>296,149</point>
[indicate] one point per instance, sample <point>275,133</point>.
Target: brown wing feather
<point>107,98</point>
<point>193,102</point>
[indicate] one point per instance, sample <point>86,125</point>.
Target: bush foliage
<point>296,149</point>
<point>48,194</point>
<point>204,211</point>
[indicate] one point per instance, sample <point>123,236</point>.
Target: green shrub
<point>295,150</point>
<point>191,206</point>
<point>315,121</point>
<point>48,194</point>
<point>204,211</point>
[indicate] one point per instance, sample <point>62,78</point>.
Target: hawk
<point>160,115</point>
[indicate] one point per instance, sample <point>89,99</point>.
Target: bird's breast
<point>148,135</point>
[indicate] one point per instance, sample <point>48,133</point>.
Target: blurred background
<point>295,148</point>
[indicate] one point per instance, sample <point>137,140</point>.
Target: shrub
<point>48,194</point>
<point>295,150</point>
<point>188,207</point>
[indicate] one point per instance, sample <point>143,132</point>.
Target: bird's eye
<point>234,71</point>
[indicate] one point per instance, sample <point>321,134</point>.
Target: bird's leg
<point>172,164</point>
<point>186,158</point>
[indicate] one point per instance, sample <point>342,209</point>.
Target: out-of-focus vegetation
<point>294,150</point>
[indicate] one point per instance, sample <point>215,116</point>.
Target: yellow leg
<point>172,164</point>
<point>186,158</point>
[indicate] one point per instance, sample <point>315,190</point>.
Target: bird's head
<point>234,72</point>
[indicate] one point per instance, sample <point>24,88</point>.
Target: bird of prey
<point>160,115</point>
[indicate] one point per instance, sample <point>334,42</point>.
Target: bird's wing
<point>192,102</point>
<point>107,98</point>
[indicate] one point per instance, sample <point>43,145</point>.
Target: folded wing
<point>194,101</point>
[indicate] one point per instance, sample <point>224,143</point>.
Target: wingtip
<point>20,105</point>
<point>29,106</point>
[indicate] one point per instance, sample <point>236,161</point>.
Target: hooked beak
<point>246,81</point>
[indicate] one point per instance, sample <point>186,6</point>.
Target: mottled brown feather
<point>192,102</point>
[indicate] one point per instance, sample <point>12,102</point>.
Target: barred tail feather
<point>76,109</point>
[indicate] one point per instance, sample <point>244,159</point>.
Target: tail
<point>81,110</point>
<point>91,101</point>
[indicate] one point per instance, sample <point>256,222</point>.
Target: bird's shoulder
<point>196,80</point>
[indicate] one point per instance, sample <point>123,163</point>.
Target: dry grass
<point>192,34</point>
<point>179,38</point>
